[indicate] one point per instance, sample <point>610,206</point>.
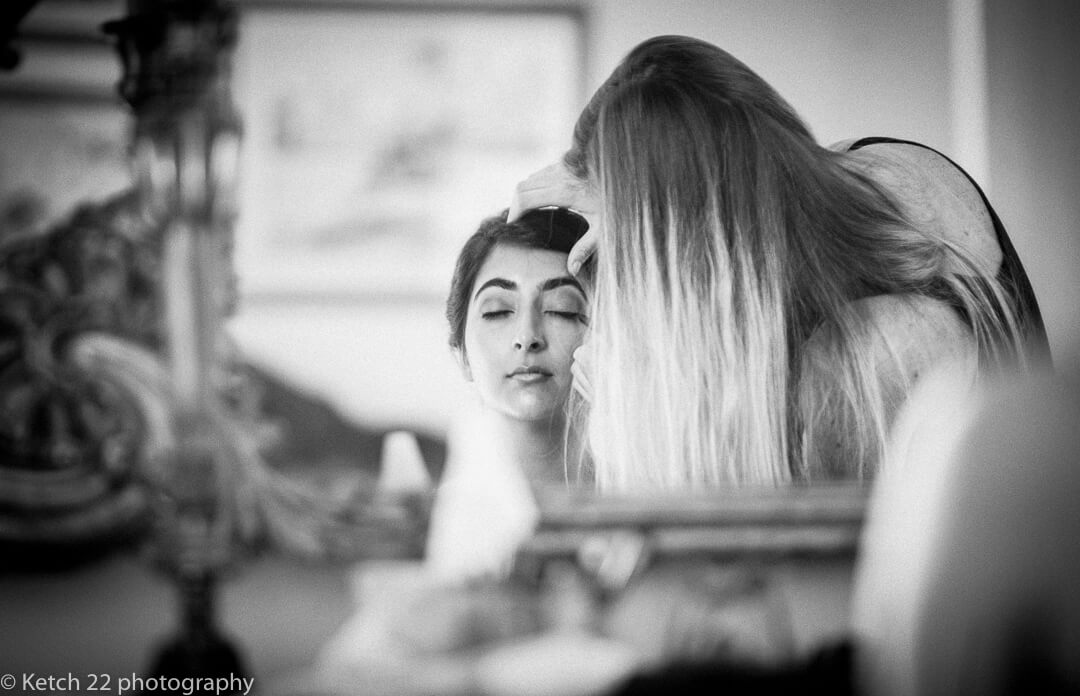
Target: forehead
<point>523,265</point>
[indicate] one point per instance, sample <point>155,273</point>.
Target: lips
<point>530,372</point>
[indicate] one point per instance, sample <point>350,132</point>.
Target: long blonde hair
<point>728,236</point>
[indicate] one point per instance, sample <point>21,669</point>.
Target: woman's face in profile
<point>526,316</point>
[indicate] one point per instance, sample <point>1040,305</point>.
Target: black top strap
<point>1011,275</point>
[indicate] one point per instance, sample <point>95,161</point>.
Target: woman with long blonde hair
<point>764,304</point>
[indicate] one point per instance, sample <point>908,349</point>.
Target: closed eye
<point>570,316</point>
<point>495,314</point>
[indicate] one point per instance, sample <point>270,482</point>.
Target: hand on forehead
<point>555,185</point>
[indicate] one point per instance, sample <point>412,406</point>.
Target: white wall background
<point>849,67</point>
<point>1033,69</point>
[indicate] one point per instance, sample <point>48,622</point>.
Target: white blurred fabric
<point>484,507</point>
<point>401,464</point>
<point>969,562</point>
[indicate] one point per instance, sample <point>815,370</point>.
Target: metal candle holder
<point>176,57</point>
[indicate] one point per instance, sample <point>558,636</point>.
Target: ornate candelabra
<point>176,58</point>
<point>124,415</point>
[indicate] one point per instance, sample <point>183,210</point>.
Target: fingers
<point>581,251</point>
<point>580,370</point>
<point>553,185</point>
<point>581,383</point>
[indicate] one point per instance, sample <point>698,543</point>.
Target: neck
<point>536,447</point>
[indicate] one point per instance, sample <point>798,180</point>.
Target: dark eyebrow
<point>496,283</point>
<point>553,283</point>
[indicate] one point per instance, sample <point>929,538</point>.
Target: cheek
<point>481,346</point>
<point>564,340</point>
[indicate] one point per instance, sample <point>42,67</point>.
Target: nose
<point>530,333</point>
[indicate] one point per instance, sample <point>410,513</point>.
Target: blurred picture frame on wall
<point>376,137</point>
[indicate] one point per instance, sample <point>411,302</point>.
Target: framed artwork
<point>377,137</point>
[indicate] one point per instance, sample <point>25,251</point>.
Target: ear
<point>463,363</point>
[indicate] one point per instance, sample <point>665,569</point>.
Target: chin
<point>536,410</point>
<point>533,405</point>
<point>538,414</point>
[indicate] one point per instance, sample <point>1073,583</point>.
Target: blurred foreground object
<point>738,589</point>
<point>11,14</point>
<point>92,376</point>
<point>71,441</point>
<point>484,507</point>
<point>125,413</point>
<point>176,57</point>
<point>970,564</point>
<point>744,583</point>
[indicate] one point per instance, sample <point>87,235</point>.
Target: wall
<point>849,67</point>
<point>1034,94</point>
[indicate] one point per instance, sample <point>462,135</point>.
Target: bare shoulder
<point>933,194</point>
<point>903,338</point>
<point>914,331</point>
<point>904,334</point>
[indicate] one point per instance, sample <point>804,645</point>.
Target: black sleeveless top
<point>1011,274</point>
